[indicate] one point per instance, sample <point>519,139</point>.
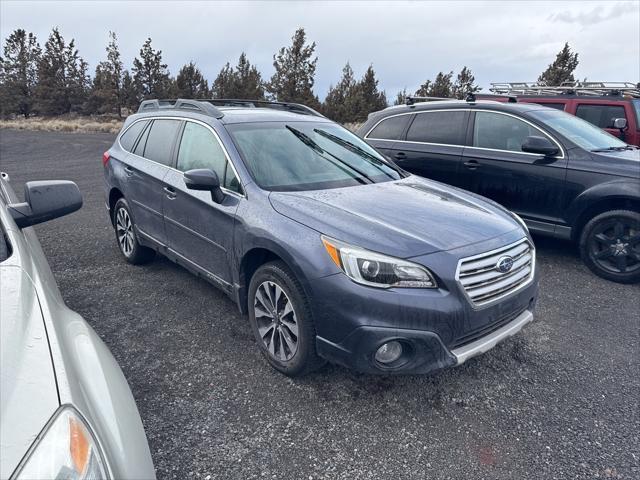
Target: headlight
<point>65,451</point>
<point>520,221</point>
<point>375,269</point>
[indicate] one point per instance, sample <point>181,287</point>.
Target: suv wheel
<point>126,236</point>
<point>610,245</point>
<point>281,320</point>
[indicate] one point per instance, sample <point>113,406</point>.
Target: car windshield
<point>579,131</point>
<point>286,156</point>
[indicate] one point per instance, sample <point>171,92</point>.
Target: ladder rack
<point>586,88</point>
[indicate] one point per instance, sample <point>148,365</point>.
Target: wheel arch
<point>115,194</point>
<point>599,206</point>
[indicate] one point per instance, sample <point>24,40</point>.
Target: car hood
<point>403,218</point>
<point>28,392</point>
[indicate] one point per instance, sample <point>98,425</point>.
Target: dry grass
<point>65,124</point>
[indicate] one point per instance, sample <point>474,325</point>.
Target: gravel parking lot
<point>560,400</point>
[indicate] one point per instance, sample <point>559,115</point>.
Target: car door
<point>384,134</point>
<point>433,144</point>
<point>602,114</point>
<point>145,170</point>
<point>198,229</point>
<point>495,166</point>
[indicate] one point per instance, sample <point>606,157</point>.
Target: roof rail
<point>287,106</point>
<point>409,100</point>
<point>585,88</point>
<point>201,106</point>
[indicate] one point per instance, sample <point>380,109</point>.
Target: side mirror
<point>620,123</point>
<point>204,179</point>
<point>541,145</point>
<point>44,201</point>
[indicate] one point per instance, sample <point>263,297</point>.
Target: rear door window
<point>160,141</point>
<point>496,131</point>
<point>600,115</point>
<point>129,137</point>
<point>390,128</point>
<point>445,127</point>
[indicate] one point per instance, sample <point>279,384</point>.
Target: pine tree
<point>401,97</point>
<point>442,85</point>
<point>63,82</point>
<point>339,103</point>
<point>18,73</point>
<point>106,90</point>
<point>369,98</point>
<point>561,70</point>
<point>224,86</point>
<point>425,89</point>
<point>190,83</point>
<point>248,81</point>
<point>150,75</point>
<point>464,84</point>
<point>129,93</point>
<point>295,71</point>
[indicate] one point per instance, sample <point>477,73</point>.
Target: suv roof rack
<point>608,89</point>
<point>201,106</point>
<point>245,103</point>
<point>410,100</point>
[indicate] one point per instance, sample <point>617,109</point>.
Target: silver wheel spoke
<point>291,343</point>
<point>263,331</point>
<point>276,320</point>
<point>262,298</point>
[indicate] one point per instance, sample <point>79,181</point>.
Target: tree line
<point>54,80</point>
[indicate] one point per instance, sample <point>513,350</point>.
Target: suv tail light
<point>105,158</point>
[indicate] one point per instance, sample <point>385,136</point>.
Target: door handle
<point>400,156</point>
<point>171,193</point>
<point>472,164</point>
<point>129,171</point>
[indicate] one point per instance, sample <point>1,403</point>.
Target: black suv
<point>562,175</point>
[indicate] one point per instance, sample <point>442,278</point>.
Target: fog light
<point>389,352</point>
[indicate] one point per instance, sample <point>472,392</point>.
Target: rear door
<point>495,166</point>
<point>433,144</point>
<point>145,171</point>
<point>198,229</point>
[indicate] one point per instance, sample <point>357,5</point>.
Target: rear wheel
<point>610,245</point>
<point>281,320</point>
<point>126,236</point>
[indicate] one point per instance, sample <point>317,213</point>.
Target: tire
<point>128,244</point>
<point>610,245</point>
<point>286,338</point>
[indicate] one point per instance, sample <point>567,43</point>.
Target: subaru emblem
<point>504,264</point>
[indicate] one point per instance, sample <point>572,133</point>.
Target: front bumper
<point>439,328</point>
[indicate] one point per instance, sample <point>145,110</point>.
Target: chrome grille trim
<point>483,284</point>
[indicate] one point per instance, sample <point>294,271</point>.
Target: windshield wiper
<point>359,150</point>
<point>307,140</point>
<point>614,149</point>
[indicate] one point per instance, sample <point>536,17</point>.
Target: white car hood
<point>28,392</point>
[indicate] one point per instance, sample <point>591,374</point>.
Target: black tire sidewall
<point>585,236</point>
<point>139,254</point>
<point>305,357</point>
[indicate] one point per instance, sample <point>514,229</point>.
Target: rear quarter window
<point>129,137</point>
<point>600,115</point>
<point>390,128</point>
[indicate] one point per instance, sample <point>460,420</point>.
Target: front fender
<point>619,189</point>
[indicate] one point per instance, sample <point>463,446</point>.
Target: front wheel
<point>281,320</point>
<point>610,245</point>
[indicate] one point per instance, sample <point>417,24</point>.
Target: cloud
<point>597,14</point>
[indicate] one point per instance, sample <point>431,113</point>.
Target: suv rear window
<point>390,128</point>
<point>128,138</point>
<point>444,127</point>
<point>160,141</point>
<point>600,115</point>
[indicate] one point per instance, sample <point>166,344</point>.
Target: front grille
<point>484,283</point>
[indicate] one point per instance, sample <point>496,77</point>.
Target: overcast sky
<point>406,42</point>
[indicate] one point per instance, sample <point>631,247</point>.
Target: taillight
<point>105,158</point>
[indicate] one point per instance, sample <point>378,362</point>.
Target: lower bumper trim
<point>485,344</point>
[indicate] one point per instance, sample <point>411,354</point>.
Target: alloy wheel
<point>124,231</point>
<point>614,245</point>
<point>276,320</point>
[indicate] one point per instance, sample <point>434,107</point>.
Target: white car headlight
<point>377,270</point>
<point>66,450</point>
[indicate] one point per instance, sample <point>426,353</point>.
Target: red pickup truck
<point>600,110</point>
